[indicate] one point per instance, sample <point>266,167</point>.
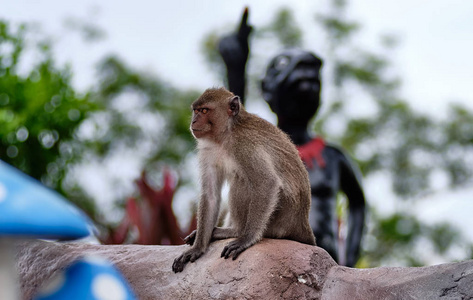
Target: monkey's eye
<point>204,110</point>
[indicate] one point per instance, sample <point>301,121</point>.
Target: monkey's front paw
<point>188,256</point>
<point>190,238</point>
<point>234,249</point>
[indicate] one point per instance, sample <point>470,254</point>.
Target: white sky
<point>164,37</point>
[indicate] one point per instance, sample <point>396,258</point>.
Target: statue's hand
<point>234,48</point>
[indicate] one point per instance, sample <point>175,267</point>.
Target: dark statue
<point>291,87</point>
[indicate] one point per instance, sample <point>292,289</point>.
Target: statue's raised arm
<point>234,50</point>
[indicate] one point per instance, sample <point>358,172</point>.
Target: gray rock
<point>271,269</point>
<point>446,281</point>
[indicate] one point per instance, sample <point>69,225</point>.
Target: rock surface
<point>272,269</point>
<point>446,281</point>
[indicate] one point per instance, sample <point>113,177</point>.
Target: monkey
<point>269,195</point>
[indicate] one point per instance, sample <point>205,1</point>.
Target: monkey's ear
<point>234,106</point>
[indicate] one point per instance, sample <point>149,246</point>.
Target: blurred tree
<point>412,146</point>
<point>128,96</point>
<point>47,128</point>
<point>284,29</point>
<point>39,109</point>
<point>144,117</point>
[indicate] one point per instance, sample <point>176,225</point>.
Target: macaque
<point>292,86</point>
<point>269,194</point>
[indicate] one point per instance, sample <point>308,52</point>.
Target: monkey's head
<point>213,113</point>
<point>291,85</point>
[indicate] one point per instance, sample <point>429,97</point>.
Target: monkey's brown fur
<point>269,185</point>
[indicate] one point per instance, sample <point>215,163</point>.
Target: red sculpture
<point>150,221</point>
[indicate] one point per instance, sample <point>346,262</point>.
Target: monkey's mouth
<point>197,132</point>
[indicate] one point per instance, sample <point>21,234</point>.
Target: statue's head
<point>291,85</point>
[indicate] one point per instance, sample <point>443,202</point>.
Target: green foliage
<point>152,95</point>
<point>365,70</point>
<point>284,29</point>
<point>39,110</point>
<point>394,235</point>
<point>402,240</point>
<point>409,144</point>
<point>90,32</point>
<point>47,127</point>
<point>337,28</point>
<point>443,236</point>
<point>143,115</point>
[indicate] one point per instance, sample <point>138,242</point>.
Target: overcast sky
<point>164,37</point>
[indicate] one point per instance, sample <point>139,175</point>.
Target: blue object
<point>91,278</point>
<point>29,209</point>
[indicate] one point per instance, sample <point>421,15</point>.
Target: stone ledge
<point>272,269</point>
<point>445,281</point>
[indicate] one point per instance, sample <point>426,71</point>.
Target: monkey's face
<point>201,123</point>
<point>208,121</point>
<point>212,114</point>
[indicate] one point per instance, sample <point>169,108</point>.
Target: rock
<point>446,281</point>
<point>271,269</point>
